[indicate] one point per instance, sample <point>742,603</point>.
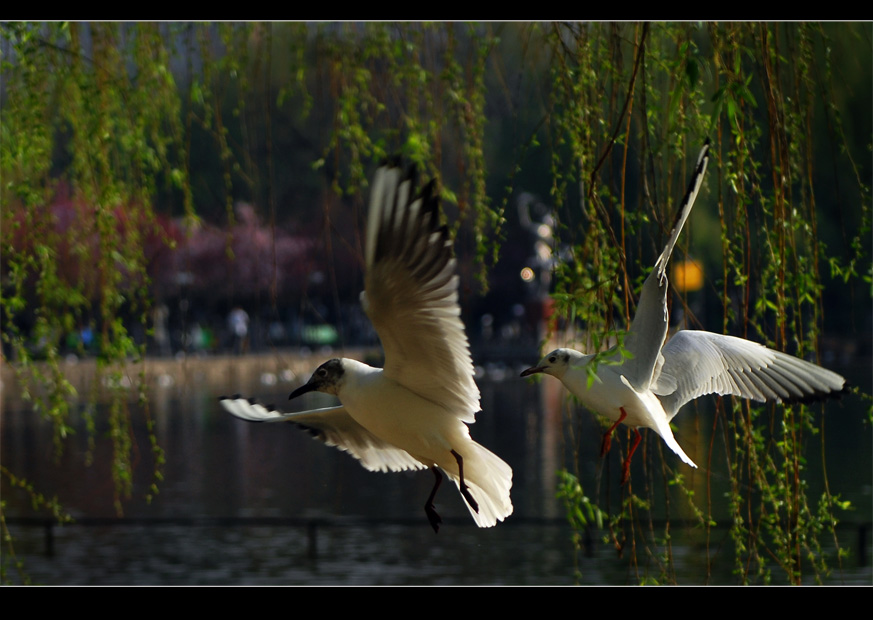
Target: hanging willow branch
<point>736,83</point>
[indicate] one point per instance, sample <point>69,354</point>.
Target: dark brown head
<point>326,378</point>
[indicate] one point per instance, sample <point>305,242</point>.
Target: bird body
<point>646,383</point>
<point>611,393</point>
<point>426,430</point>
<point>413,413</point>
<point>429,433</point>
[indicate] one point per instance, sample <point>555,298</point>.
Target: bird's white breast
<point>608,394</point>
<point>399,416</point>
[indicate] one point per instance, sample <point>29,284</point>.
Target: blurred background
<point>182,217</point>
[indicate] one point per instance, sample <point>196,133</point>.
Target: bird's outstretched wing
<point>649,326</point>
<point>411,294</point>
<point>698,363</point>
<point>335,427</point>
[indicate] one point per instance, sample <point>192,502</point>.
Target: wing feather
<point>698,363</point>
<point>648,330</point>
<point>335,427</point>
<point>411,294</point>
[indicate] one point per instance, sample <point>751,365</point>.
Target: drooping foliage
<point>631,105</point>
<point>118,138</point>
<point>119,142</point>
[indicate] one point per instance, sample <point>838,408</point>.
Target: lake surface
<point>266,504</point>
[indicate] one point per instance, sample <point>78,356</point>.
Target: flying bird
<point>648,387</point>
<point>414,412</point>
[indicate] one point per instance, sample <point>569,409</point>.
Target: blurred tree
<point>129,151</point>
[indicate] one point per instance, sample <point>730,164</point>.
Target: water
<point>238,500</point>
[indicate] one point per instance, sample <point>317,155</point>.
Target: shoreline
<point>236,372</point>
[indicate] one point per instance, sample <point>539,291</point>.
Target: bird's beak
<point>532,370</point>
<point>303,389</point>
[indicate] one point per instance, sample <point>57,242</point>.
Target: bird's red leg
<point>625,471</point>
<point>429,510</point>
<point>607,436</point>
<point>463,486</point>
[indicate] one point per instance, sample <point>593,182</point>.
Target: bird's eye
<point>553,359</point>
<point>322,372</point>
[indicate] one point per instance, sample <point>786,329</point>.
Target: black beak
<point>306,387</point>
<point>532,370</point>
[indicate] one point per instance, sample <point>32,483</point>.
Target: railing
<point>312,525</point>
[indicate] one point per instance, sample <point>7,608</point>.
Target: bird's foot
<point>606,443</point>
<point>465,491</point>
<point>429,510</point>
<point>433,517</point>
<point>607,436</point>
<point>625,471</point>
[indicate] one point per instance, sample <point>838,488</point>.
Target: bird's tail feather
<point>671,442</point>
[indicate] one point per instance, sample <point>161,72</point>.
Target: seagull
<point>413,413</point>
<point>647,384</point>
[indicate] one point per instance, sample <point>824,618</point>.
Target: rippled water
<point>372,530</point>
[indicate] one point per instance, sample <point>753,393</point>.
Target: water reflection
<point>219,467</point>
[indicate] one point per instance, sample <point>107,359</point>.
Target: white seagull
<point>413,413</point>
<point>649,387</point>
